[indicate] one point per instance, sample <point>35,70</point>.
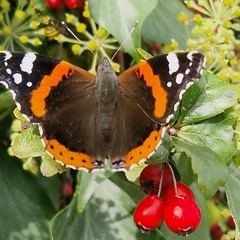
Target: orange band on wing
<point>68,158</point>
<point>158,92</point>
<point>39,95</point>
<point>145,150</point>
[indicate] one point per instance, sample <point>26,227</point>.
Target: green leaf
<point>26,202</point>
<point>184,167</point>
<point>50,167</point>
<point>207,98</point>
<point>119,17</point>
<point>216,134</point>
<point>28,144</point>
<point>232,191</point>
<point>108,215</point>
<point>88,183</point>
<point>162,24</point>
<point>6,105</point>
<point>207,164</point>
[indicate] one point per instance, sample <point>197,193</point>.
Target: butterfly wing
<point>57,96</point>
<point>151,91</point>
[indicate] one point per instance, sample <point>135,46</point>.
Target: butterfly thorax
<point>105,94</point>
<point>106,84</point>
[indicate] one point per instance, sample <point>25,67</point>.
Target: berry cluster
<point>58,4</point>
<point>166,200</point>
<point>223,230</point>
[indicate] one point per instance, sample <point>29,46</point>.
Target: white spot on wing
<point>27,62</point>
<point>187,71</point>
<point>41,132</point>
<point>169,84</point>
<point>190,56</point>
<point>176,106</point>
<point>8,71</point>
<point>18,106</point>
<point>4,84</point>
<point>173,63</point>
<point>169,118</point>
<point>29,84</point>
<point>17,78</point>
<point>8,55</point>
<point>179,78</point>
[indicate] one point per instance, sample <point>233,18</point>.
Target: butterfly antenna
<point>123,43</point>
<point>75,36</point>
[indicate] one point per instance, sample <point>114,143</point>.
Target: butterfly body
<point>84,119</point>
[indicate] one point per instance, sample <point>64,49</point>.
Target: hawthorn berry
<point>216,231</point>
<point>54,4</point>
<point>66,190</point>
<point>150,178</point>
<point>148,214</point>
<point>74,3</point>
<point>182,215</point>
<point>182,191</point>
<point>230,222</point>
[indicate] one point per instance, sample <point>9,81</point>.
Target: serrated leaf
<point>119,17</point>
<point>162,24</point>
<point>208,165</point>
<point>208,97</point>
<point>28,144</point>
<point>215,133</point>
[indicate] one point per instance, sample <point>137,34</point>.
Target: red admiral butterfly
<point>84,119</point>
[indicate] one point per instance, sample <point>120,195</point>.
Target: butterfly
<point>84,119</point>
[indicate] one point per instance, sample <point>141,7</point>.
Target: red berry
<point>54,4</point>
<point>74,3</point>
<point>231,223</point>
<point>66,190</point>
<point>216,231</point>
<point>148,214</point>
<point>150,178</point>
<point>182,191</point>
<point>182,215</point>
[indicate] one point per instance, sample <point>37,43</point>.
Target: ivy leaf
<point>26,203</point>
<point>107,215</point>
<point>162,25</point>
<point>119,17</point>
<point>88,183</point>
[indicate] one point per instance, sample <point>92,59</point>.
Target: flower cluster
<point>17,31</point>
<point>24,27</point>
<point>97,40</point>
<point>215,35</point>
